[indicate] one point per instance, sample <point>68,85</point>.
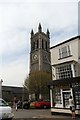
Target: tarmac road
<point>38,114</point>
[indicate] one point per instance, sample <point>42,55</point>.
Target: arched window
<point>46,45</point>
<point>33,45</point>
<point>37,44</point>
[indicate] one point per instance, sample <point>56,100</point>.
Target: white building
<point>65,61</point>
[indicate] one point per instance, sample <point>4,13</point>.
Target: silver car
<point>5,110</point>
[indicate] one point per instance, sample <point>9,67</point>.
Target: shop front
<point>60,91</point>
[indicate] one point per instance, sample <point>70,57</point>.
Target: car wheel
<point>44,107</point>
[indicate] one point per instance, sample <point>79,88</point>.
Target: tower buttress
<point>48,34</point>
<point>39,28</point>
<point>32,33</point>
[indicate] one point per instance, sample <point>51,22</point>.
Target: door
<point>66,96</point>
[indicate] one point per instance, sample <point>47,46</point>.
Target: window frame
<point>64,71</point>
<point>64,52</point>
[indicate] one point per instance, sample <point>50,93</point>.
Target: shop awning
<point>64,81</point>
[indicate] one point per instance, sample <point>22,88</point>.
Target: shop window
<point>76,88</point>
<point>58,96</point>
<point>77,99</point>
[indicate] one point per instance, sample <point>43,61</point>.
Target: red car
<point>42,104</point>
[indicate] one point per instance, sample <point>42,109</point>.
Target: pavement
<point>46,118</point>
<point>39,115</point>
<point>40,118</point>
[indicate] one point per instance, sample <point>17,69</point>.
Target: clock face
<point>35,57</point>
<point>45,57</point>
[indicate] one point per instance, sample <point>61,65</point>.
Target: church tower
<point>40,59</point>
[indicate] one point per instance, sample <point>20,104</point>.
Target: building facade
<point>8,93</point>
<point>65,61</point>
<point>40,58</point>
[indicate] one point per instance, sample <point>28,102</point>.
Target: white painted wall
<point>74,52</point>
<point>79,57</point>
<point>74,48</point>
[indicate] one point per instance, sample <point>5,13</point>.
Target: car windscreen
<point>3,103</point>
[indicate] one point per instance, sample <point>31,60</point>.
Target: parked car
<point>42,104</point>
<point>26,104</point>
<point>5,110</point>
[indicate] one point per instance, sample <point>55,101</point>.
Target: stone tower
<point>40,59</point>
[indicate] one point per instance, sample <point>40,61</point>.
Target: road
<point>35,114</point>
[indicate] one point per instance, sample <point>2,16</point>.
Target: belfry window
<point>42,44</point>
<point>46,45</point>
<point>37,44</point>
<point>33,45</point>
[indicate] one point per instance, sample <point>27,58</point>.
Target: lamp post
<point>1,88</point>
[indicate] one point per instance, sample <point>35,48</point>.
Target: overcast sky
<point>17,18</point>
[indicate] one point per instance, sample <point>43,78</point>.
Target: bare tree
<point>37,83</point>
